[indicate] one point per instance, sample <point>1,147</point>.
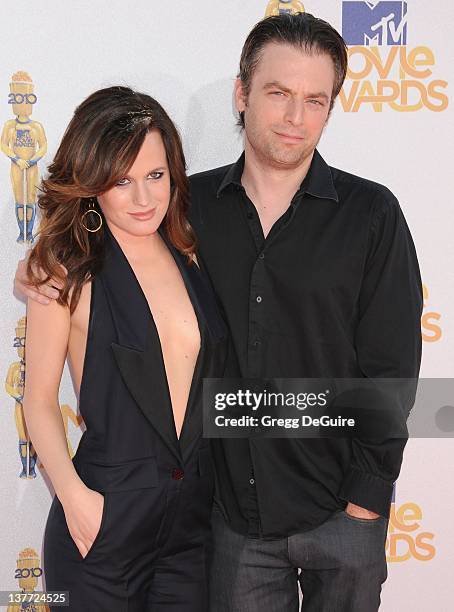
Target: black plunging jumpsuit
<point>150,553</point>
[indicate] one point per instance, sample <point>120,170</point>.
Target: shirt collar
<point>318,181</point>
<point>232,176</point>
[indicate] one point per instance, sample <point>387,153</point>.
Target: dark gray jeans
<point>342,563</point>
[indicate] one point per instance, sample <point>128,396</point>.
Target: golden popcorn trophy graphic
<point>14,385</point>
<point>24,141</point>
<point>27,573</point>
<point>277,7</point>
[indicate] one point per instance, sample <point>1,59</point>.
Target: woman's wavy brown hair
<point>98,147</point>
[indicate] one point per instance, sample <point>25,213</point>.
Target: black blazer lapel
<point>138,353</point>
<point>138,349</point>
<point>139,369</point>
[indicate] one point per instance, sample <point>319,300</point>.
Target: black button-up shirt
<point>333,291</point>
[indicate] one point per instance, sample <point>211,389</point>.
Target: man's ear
<point>240,98</point>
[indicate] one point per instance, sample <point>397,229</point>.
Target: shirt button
<point>262,256</point>
<point>252,481</point>
<point>177,474</point>
<point>258,299</point>
<point>256,342</point>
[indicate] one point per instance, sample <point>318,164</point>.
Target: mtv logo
<point>374,23</point>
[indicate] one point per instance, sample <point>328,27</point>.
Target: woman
<point>128,528</point>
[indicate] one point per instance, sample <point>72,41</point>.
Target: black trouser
<point>149,554</point>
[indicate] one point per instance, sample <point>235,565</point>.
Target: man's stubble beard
<point>275,155</point>
<point>290,156</point>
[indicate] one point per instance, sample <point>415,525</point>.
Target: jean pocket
<point>102,527</point>
<point>357,519</point>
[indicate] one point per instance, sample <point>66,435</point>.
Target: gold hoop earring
<point>91,210</point>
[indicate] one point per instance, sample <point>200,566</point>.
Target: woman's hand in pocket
<point>83,512</point>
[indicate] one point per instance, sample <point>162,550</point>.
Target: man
<point>318,277</point>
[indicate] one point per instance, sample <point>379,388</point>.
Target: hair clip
<point>134,118</point>
<point>141,114</point>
